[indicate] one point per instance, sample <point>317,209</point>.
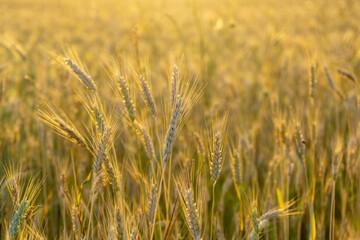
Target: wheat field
<point>166,119</point>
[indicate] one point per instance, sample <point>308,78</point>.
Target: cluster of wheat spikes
<point>199,119</point>
<point>142,180</point>
<point>106,206</point>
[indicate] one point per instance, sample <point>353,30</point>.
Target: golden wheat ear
<point>217,135</point>
<point>236,167</point>
<point>124,91</point>
<point>172,130</point>
<point>71,62</point>
<point>347,74</point>
<point>190,209</point>
<point>260,223</point>
<point>174,84</point>
<point>152,202</point>
<point>147,95</point>
<point>12,180</point>
<point>146,140</point>
<point>61,125</point>
<point>188,90</point>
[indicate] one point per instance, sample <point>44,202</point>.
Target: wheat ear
<point>171,132</point>
<point>81,74</point>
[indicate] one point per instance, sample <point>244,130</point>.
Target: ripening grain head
<point>61,125</point>
<point>190,210</point>
<point>125,93</point>
<point>172,130</point>
<point>147,95</point>
<point>80,72</point>
<point>217,134</point>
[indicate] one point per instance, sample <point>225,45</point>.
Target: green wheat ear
<point>17,220</point>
